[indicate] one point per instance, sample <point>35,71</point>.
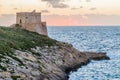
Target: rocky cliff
<point>29,56</point>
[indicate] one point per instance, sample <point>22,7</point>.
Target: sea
<point>92,38</point>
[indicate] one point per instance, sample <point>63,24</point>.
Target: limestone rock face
<point>47,63</point>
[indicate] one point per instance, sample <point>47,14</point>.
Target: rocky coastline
<point>49,63</point>
<point>46,62</point>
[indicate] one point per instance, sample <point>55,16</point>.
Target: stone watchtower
<point>31,21</point>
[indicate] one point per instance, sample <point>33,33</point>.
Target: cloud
<point>45,11</point>
<point>15,8</point>
<point>88,0</point>
<point>81,6</point>
<point>74,8</point>
<point>85,0</point>
<point>1,6</point>
<point>63,20</point>
<point>56,3</point>
<point>94,8</point>
<point>77,20</point>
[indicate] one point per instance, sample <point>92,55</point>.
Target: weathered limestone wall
<point>32,22</point>
<point>44,28</point>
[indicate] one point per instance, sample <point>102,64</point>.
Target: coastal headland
<point>30,56</point>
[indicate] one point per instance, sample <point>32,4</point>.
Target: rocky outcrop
<point>26,55</point>
<point>47,63</point>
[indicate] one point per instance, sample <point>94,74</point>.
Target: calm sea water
<point>103,39</point>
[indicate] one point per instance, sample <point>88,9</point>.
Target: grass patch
<point>20,39</point>
<point>12,39</point>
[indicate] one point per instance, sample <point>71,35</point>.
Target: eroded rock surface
<point>46,63</point>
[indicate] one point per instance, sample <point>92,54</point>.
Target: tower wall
<point>31,21</point>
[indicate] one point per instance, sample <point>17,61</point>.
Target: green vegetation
<point>12,39</point>
<point>15,77</point>
<point>20,39</point>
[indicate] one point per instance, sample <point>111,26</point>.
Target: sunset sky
<point>64,12</point>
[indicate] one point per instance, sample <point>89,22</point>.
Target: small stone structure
<point>31,21</point>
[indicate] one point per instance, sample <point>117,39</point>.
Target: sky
<point>64,12</point>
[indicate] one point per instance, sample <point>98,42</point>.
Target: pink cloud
<point>78,20</point>
<point>60,20</point>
